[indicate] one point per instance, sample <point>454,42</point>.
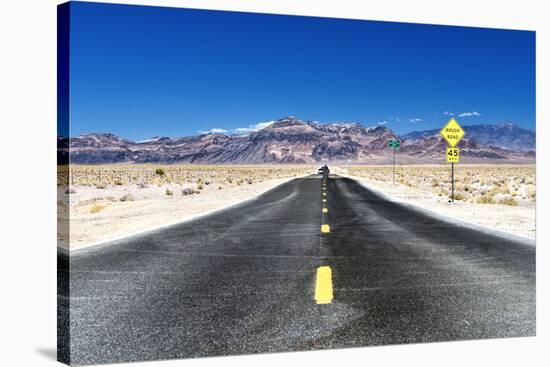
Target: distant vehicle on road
<point>324,171</point>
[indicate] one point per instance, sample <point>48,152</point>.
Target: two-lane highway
<point>245,280</point>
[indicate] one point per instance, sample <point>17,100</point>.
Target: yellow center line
<point>323,285</point>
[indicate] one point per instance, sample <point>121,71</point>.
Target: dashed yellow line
<point>323,285</point>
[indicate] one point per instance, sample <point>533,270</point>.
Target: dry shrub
<point>508,201</point>
<point>127,197</point>
<point>96,208</point>
<point>458,196</point>
<point>485,199</point>
<point>188,191</point>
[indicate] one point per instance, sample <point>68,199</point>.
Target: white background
<point>28,196</point>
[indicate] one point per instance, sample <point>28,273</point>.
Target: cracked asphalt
<point>242,281</point>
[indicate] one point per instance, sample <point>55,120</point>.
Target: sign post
<point>452,132</point>
<point>394,144</point>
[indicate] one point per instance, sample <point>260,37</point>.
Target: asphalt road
<point>243,280</point>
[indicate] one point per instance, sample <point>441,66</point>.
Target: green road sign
<point>394,144</point>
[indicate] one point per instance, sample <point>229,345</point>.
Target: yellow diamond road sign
<point>452,132</point>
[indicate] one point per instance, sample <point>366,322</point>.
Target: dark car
<point>323,171</point>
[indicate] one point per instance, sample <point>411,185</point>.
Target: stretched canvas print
<point>235,183</point>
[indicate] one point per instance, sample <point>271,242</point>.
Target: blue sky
<point>142,71</point>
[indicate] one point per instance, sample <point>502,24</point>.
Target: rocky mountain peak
<point>510,126</point>
<point>378,130</point>
<point>288,121</point>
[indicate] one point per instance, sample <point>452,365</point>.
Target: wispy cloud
<point>238,130</point>
<point>469,114</point>
<point>462,114</point>
<point>413,120</point>
<point>213,131</point>
<point>252,128</point>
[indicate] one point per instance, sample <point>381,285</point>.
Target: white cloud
<point>219,131</point>
<point>448,113</point>
<point>392,118</point>
<point>213,131</point>
<point>252,128</point>
<point>415,120</point>
<point>239,130</point>
<point>382,122</point>
<point>469,114</point>
<point>148,140</point>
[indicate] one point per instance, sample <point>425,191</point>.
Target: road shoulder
<point>507,222</point>
<point>121,220</point>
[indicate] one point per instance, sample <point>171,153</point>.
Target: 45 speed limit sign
<point>453,155</point>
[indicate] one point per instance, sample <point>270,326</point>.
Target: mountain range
<point>290,140</point>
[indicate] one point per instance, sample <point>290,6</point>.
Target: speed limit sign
<point>453,155</point>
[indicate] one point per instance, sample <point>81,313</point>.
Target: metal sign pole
<point>452,182</point>
<point>393,179</point>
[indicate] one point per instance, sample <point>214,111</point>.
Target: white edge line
<point>456,221</point>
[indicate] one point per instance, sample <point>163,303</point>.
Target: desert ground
<point>100,203</point>
<point>97,203</point>
<point>502,197</point>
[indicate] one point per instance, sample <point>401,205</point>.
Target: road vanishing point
<point>311,264</point>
